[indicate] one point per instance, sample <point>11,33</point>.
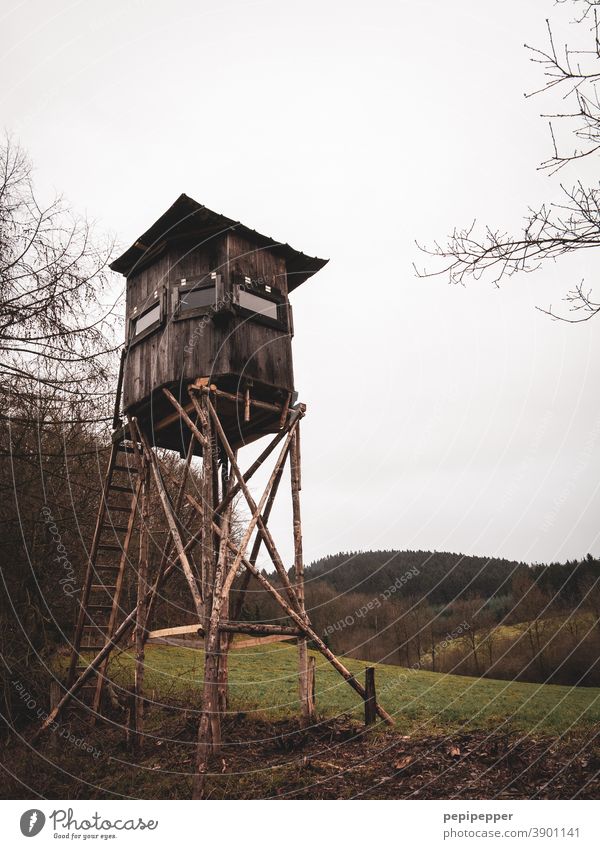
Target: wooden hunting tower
<point>206,368</point>
<point>208,297</point>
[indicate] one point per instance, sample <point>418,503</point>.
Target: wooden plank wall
<point>190,348</point>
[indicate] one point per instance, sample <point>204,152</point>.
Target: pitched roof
<point>186,217</point>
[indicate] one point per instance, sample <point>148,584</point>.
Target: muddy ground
<point>336,759</point>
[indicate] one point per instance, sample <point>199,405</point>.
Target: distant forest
<point>456,613</point>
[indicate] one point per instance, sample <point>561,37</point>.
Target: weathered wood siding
<point>257,263</point>
<point>184,349</point>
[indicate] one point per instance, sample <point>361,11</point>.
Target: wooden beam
<point>183,413</point>
<point>311,634</point>
<point>173,632</point>
<point>172,417</point>
<point>258,629</point>
<point>237,399</point>
<point>257,519</point>
<point>164,499</point>
<point>252,628</point>
<point>258,641</point>
<point>296,414</point>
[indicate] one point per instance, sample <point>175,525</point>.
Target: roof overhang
<point>188,219</point>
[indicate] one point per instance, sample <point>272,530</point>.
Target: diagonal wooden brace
<point>257,518</point>
<point>174,531</point>
<point>310,633</point>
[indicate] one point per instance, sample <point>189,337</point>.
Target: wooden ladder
<point>99,610</point>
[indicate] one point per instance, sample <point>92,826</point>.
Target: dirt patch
<point>335,759</point>
<point>338,759</point>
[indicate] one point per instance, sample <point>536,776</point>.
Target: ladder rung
<point>114,566</point>
<point>115,527</point>
<point>118,468</point>
<point>96,606</point>
<point>126,449</point>
<point>118,488</point>
<point>119,507</point>
<point>109,546</point>
<point>99,587</point>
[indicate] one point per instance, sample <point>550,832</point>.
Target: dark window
<point>257,304</point>
<point>146,320</point>
<point>196,298</point>
<point>261,303</point>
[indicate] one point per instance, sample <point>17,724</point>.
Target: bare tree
<point>571,74</point>
<point>57,366</point>
<point>55,329</point>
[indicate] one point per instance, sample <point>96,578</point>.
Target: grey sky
<point>439,417</point>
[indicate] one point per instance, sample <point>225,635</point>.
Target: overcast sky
<point>439,417</point>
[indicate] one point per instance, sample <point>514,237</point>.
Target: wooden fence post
<point>56,692</point>
<point>310,690</point>
<point>370,697</point>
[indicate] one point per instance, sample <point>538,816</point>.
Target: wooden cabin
<point>207,298</point>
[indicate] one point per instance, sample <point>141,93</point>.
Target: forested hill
<point>441,576</point>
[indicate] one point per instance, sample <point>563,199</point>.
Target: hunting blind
<point>206,368</point>
<point>208,297</point>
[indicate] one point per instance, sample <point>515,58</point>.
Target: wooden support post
<point>224,638</point>
<point>370,696</point>
<point>306,715</point>
<point>209,727</point>
<point>285,410</point>
<point>141,614</point>
<point>311,689</point>
<point>207,494</point>
<point>55,691</point>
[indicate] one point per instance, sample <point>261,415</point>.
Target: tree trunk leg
<point>223,673</point>
<point>304,692</point>
<point>140,626</point>
<point>224,639</point>
<point>209,728</point>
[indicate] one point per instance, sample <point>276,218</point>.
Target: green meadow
<point>263,683</point>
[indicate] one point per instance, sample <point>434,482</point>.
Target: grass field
<point>454,737</point>
<point>263,683</point>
